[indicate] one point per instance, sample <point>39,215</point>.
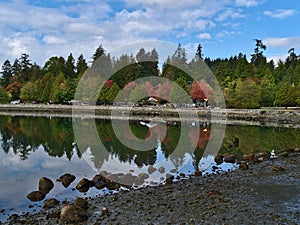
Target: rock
<point>81,203</point>
<point>143,176</point>
<point>83,185</point>
<point>249,157</point>
<point>169,179</point>
<point>230,158</point>
<point>261,156</point>
<point>198,173</point>
<point>139,181</point>
<point>284,154</point>
<point>71,214</point>
<point>104,210</point>
<point>297,149</point>
<point>66,179</point>
<point>128,179</point>
<point>289,150</point>
<point>45,184</point>
<point>36,196</point>
<point>243,165</point>
<point>151,169</point>
<point>278,168</point>
<point>51,203</point>
<point>219,159</point>
<point>100,185</point>
<point>161,169</point>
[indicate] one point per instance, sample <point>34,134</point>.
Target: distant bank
<point>265,115</point>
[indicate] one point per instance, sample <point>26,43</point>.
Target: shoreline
<point>257,116</point>
<point>266,192</point>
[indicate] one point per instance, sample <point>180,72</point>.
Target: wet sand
<point>268,192</point>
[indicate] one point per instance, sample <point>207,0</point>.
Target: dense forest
<point>245,83</point>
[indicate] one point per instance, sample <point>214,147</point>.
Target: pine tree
<point>6,73</point>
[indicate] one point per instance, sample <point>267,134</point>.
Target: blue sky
<point>43,28</point>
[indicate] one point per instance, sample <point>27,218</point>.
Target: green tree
<point>258,52</point>
<point>25,64</point>
<point>28,92</point>
<point>99,52</point>
<point>248,94</point>
<point>113,92</point>
<point>45,88</point>
<point>138,93</point>
<point>81,65</point>
<point>286,95</point>
<point>70,67</point>
<point>59,89</point>
<point>4,95</point>
<point>268,89</point>
<point>55,65</point>
<point>6,73</point>
<point>199,53</point>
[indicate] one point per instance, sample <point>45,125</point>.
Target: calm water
<point>32,147</point>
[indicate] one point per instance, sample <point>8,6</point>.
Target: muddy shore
<point>266,192</point>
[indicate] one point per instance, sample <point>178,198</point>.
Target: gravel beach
<point>266,192</point>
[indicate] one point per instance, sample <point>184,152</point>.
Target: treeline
<point>245,84</point>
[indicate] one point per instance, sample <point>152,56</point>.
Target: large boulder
<point>36,196</point>
<point>66,179</point>
<point>45,185</point>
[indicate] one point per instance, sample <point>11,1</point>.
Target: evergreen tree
<point>268,89</point>
<point>25,64</point>
<point>6,73</point>
<point>81,65</point>
<point>70,67</point>
<point>98,53</point>
<point>199,53</point>
<point>258,52</point>
<point>248,94</point>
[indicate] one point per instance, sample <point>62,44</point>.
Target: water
<point>33,147</point>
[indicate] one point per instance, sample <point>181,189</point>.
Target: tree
<point>55,65</point>
<point>286,95</point>
<point>25,64</point>
<point>248,94</point>
<point>4,95</point>
<point>138,93</point>
<point>81,65</point>
<point>70,67</point>
<point>16,69</point>
<point>258,52</point>
<point>268,89</point>
<point>200,92</point>
<point>291,60</point>
<point>6,73</point>
<point>98,53</point>
<point>14,89</point>
<point>28,92</point>
<point>45,88</point>
<point>199,53</point>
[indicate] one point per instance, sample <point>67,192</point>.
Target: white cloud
<point>82,25</point>
<point>280,13</point>
<point>247,3</point>
<point>230,13</point>
<point>285,42</point>
<point>49,39</point>
<point>204,36</point>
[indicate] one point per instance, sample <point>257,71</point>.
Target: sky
<point>43,28</point>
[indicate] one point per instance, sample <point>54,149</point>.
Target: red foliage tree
<point>200,91</point>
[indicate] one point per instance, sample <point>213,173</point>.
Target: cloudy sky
<point>43,28</point>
